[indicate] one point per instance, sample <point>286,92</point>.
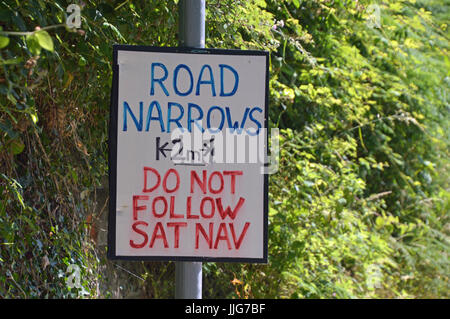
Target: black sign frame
<point>112,156</point>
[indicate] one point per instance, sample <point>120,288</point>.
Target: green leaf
<point>45,40</point>
<point>16,147</point>
<point>272,211</point>
<point>4,41</point>
<point>296,3</point>
<point>8,129</point>
<point>34,118</point>
<point>33,44</point>
<point>379,221</point>
<point>361,138</point>
<point>11,61</point>
<point>82,61</point>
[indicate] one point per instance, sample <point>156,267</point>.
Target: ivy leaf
<point>45,40</point>
<point>4,41</point>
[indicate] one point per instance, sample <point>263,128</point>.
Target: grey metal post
<point>191,23</point>
<point>188,280</point>
<point>188,275</point>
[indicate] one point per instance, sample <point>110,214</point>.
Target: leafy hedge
<point>359,207</point>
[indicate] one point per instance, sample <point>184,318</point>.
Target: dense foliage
<point>359,89</point>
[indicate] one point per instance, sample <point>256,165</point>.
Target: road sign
<point>188,142</point>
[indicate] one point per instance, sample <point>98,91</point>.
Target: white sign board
<point>187,146</point>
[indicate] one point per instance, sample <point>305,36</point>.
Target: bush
<point>359,207</point>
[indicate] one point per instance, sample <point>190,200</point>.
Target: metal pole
<point>191,23</point>
<point>188,275</point>
<point>188,280</point>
